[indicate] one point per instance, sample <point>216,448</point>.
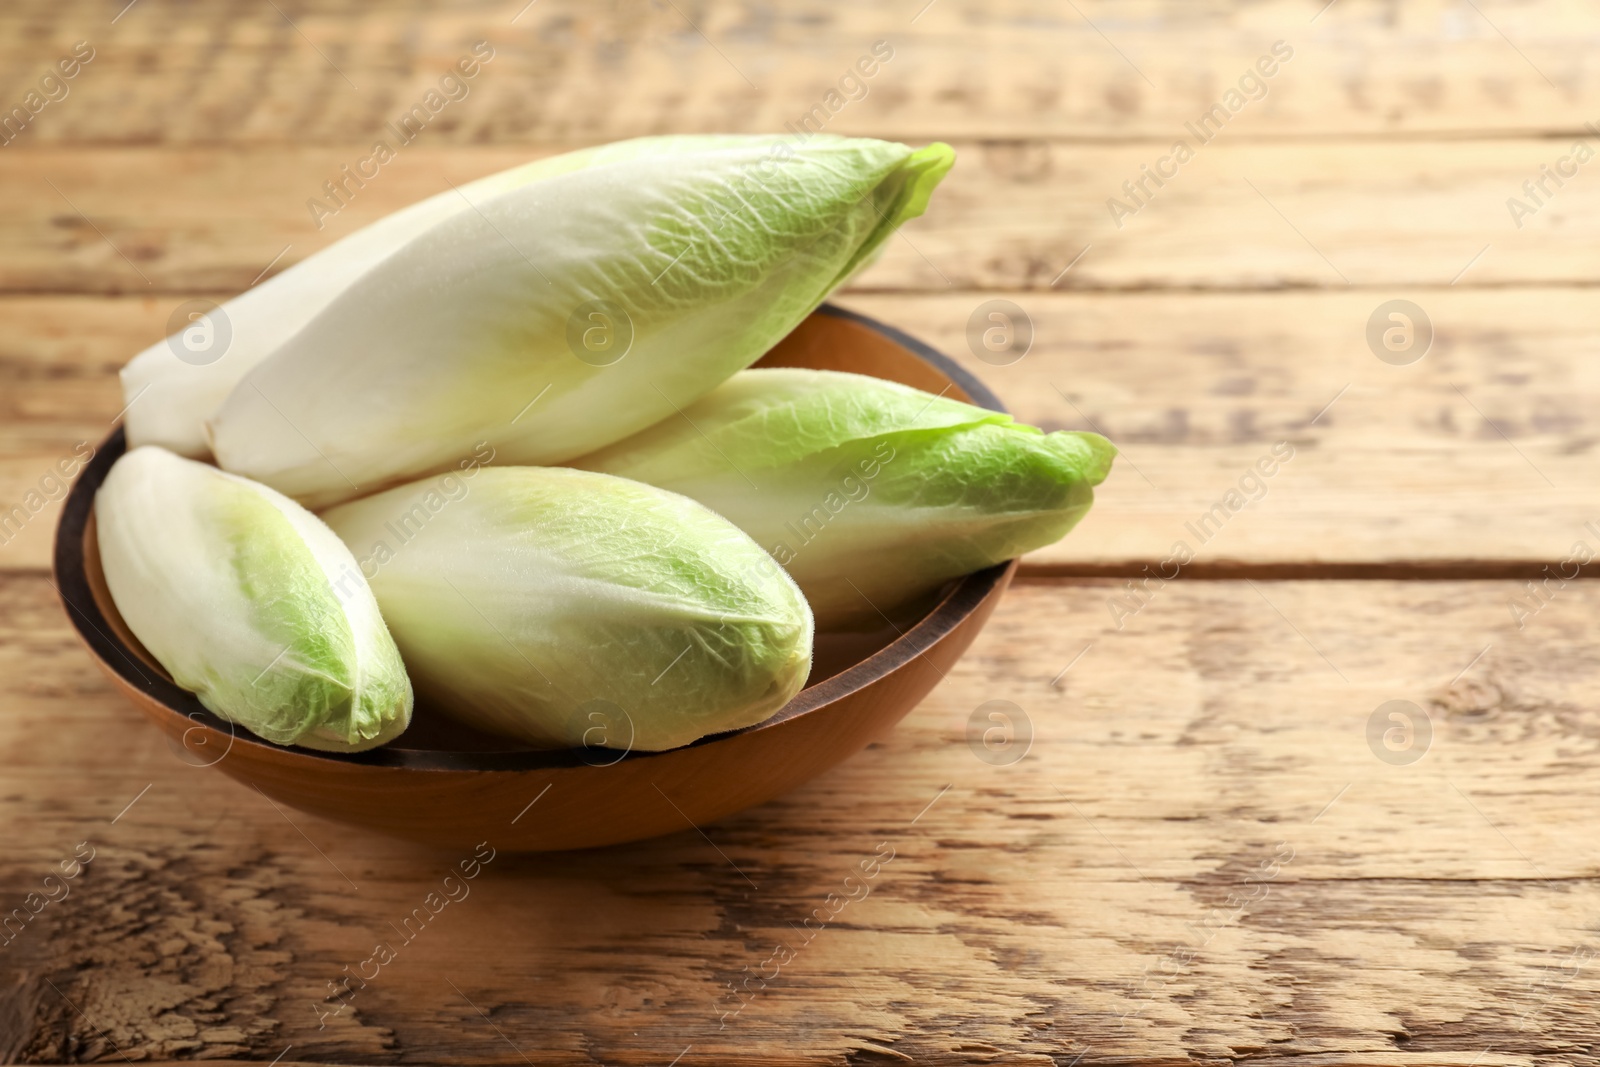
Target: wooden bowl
<point>441,783</point>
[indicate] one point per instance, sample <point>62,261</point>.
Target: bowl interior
<point>830,339</point>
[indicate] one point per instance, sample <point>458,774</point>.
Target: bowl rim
<point>96,631</point>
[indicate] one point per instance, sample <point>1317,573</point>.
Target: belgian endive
<point>571,609</point>
<point>250,602</point>
<point>867,491</point>
<point>175,385</point>
<point>568,311</point>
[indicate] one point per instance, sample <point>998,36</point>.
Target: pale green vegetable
<point>169,396</point>
<point>867,491</point>
<point>572,609</point>
<point>250,602</point>
<point>569,311</point>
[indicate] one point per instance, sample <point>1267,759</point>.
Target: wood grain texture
<point>1123,893</point>
<point>1482,450</point>
<point>1485,449</point>
<point>333,71</point>
<point>1241,215</point>
<point>1088,898</point>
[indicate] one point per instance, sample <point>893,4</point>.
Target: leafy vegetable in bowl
<point>571,609</point>
<point>568,311</point>
<point>595,309</point>
<point>175,395</point>
<point>869,492</point>
<point>228,584</point>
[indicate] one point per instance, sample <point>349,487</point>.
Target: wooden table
<point>1218,846</point>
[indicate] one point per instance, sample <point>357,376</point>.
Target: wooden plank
<point>1445,461</point>
<point>1206,853</point>
<point>59,397</point>
<point>1482,450</point>
<point>336,73</point>
<point>1240,215</point>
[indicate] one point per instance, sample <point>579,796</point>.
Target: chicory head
<point>250,602</point>
<point>568,311</point>
<point>867,491</point>
<point>571,609</point>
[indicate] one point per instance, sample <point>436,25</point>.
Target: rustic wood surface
<point>1104,894</point>
<point>1242,215</point>
<point>1217,847</point>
